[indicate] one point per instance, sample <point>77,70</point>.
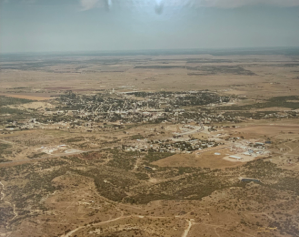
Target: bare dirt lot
<point>205,159</point>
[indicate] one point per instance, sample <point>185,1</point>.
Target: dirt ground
<point>205,159</point>
<point>34,105</point>
<point>266,130</point>
<point>271,76</point>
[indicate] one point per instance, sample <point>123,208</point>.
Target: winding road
<point>192,131</point>
<point>185,233</point>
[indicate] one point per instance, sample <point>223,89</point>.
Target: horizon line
<point>197,50</point>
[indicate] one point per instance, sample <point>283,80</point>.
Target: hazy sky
<point>87,25</point>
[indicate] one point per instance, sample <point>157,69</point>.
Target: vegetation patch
<point>37,155</point>
<point>13,101</point>
<point>192,187</point>
<point>211,70</point>
<point>154,156</point>
<point>281,101</point>
<point>74,139</point>
<point>123,160</point>
<point>135,137</point>
<point>159,67</point>
<point>288,183</point>
<point>4,150</point>
<point>141,176</point>
<point>5,110</point>
<point>109,184</point>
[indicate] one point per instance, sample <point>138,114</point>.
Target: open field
<point>268,130</point>
<point>205,159</point>
<point>256,76</point>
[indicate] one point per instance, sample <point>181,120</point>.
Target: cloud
<point>88,4</point>
<point>241,3</point>
<point>208,3</point>
<point>226,3</point>
<point>19,1</point>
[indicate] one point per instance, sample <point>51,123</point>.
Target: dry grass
<point>266,130</point>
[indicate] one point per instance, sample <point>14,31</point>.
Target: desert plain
<point>150,144</point>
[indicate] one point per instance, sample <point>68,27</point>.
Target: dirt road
<point>192,131</point>
<point>186,232</point>
<point>2,193</point>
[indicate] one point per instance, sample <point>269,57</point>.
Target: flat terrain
<point>254,76</point>
<point>205,159</point>
<point>268,130</point>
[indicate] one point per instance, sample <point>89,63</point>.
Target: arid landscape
<point>186,144</point>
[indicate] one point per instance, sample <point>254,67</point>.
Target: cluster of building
<point>91,112</point>
<point>283,114</point>
<point>134,107</point>
<point>245,148</point>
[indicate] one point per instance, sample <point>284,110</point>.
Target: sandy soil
<point>206,159</point>
<point>268,130</point>
<point>34,105</point>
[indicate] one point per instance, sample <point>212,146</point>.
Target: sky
<point>97,25</point>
